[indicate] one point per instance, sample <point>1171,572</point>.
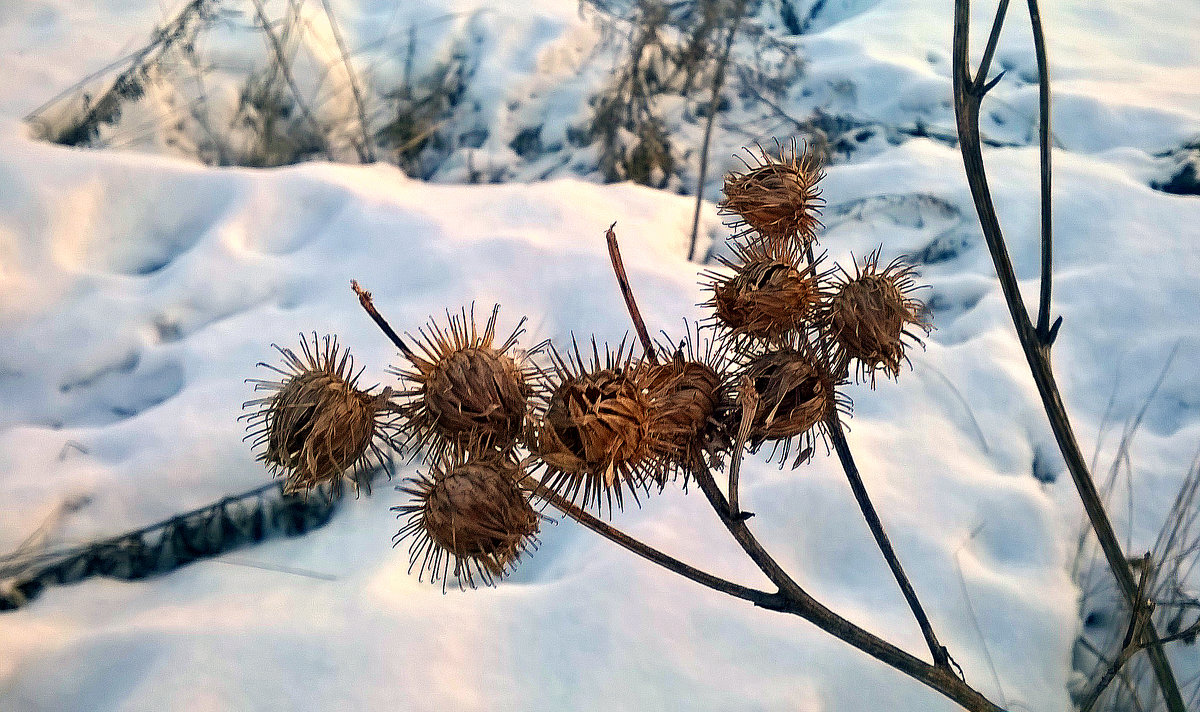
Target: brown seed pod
<point>870,313</point>
<point>777,197</point>
<point>797,390</point>
<point>464,388</point>
<point>318,426</point>
<point>469,510</point>
<point>773,292</point>
<point>689,393</point>
<point>599,434</point>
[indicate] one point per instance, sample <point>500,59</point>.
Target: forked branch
<point>1035,342</point>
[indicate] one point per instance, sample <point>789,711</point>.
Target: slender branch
<point>990,49</point>
<point>364,298</point>
<point>966,109</point>
<point>940,657</point>
<point>800,603</point>
<point>755,596</point>
<point>1047,277</point>
<point>718,81</point>
<point>639,325</point>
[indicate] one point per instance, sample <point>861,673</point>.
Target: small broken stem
<point>364,298</point>
<point>614,252</point>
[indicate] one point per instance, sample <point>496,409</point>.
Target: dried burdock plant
<point>468,517</point>
<point>599,434</point>
<point>777,198</point>
<point>871,314</point>
<point>318,426</point>
<point>773,292</point>
<point>597,430</point>
<point>797,391</point>
<point>464,388</point>
<point>689,393</point>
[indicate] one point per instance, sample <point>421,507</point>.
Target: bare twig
<point>285,69</point>
<point>755,596</point>
<point>1047,277</point>
<point>962,582</point>
<point>614,253</point>
<point>364,298</point>
<point>967,98</point>
<point>798,602</point>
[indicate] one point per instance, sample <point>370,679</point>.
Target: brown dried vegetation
<point>469,517</point>
<point>318,426</point>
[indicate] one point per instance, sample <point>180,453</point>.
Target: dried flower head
<point>777,197</point>
<point>797,390</point>
<point>469,510</point>
<point>690,394</point>
<point>870,313</point>
<point>463,388</point>
<point>772,292</point>
<point>599,434</point>
<point>318,426</point>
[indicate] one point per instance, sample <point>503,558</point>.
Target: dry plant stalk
<point>600,429</point>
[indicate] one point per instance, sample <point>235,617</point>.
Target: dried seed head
<point>318,426</point>
<point>777,198</point>
<point>870,312</point>
<point>797,391</point>
<point>464,388</point>
<point>689,394</point>
<point>772,292</point>
<point>599,434</point>
<point>469,510</point>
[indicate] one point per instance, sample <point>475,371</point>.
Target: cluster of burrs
<point>504,429</point>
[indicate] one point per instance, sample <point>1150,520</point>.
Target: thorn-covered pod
<point>318,426</point>
<point>463,388</point>
<point>871,313</point>
<point>599,435</point>
<point>777,197</point>
<point>468,517</point>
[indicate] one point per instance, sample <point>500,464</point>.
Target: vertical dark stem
<point>967,98</point>
<point>639,325</point>
<point>1039,46</point>
<point>990,49</point>
<point>940,657</point>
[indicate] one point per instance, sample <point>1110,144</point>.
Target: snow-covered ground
<point>137,291</point>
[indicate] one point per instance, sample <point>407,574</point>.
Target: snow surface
<point>137,291</point>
